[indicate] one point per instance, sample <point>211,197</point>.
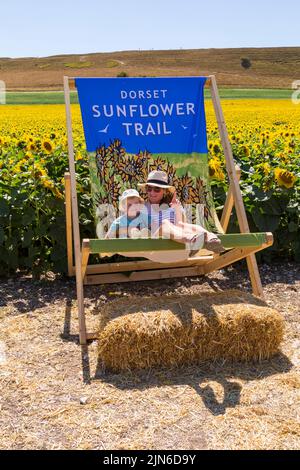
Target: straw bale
<point>177,330</point>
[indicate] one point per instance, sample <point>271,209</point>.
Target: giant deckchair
<point>108,146</point>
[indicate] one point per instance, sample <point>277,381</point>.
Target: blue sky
<point>37,28</point>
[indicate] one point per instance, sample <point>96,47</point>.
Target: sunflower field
<point>265,138</point>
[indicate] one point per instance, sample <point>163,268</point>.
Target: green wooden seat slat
<point>116,245</point>
<point>128,244</point>
<point>236,240</point>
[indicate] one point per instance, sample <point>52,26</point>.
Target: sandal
<point>214,244</point>
<point>197,242</point>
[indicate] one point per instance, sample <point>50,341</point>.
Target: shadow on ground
<point>28,295</point>
<point>225,374</point>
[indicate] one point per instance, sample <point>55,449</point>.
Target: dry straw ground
<point>55,396</point>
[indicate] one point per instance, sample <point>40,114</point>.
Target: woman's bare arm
<point>178,208</point>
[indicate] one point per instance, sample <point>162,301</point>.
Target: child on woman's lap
<point>163,214</point>
<point>133,223</point>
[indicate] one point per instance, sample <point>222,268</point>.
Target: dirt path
<point>54,397</point>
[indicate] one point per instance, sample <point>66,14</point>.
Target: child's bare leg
<point>187,227</point>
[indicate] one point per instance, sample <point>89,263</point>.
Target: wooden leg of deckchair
<point>80,260</point>
<point>69,235</point>
<point>81,265</point>
<point>81,313</point>
<point>79,282</point>
<point>75,218</point>
<point>254,276</point>
<point>234,184</point>
<point>84,256</point>
<point>237,254</point>
<point>251,260</point>
<point>228,258</point>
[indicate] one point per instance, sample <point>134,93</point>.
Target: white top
<point>156,215</point>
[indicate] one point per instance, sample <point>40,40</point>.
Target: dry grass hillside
<point>270,67</point>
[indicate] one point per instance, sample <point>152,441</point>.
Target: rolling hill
<point>270,67</point>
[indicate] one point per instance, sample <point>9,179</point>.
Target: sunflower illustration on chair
<point>152,124</point>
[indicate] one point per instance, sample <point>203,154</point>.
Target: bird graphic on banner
<point>105,129</point>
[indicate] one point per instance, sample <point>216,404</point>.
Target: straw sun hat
<point>159,179</point>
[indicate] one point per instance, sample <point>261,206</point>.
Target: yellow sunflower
<point>266,168</point>
<point>215,169</point>
<point>47,146</point>
<point>216,149</point>
<point>245,150</point>
<point>284,178</point>
<point>31,146</point>
<point>57,193</point>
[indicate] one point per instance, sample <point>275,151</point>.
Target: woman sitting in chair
<point>167,217</point>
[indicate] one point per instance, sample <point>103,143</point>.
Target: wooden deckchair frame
<point>204,263</point>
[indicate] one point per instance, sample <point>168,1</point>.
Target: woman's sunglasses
<point>155,189</point>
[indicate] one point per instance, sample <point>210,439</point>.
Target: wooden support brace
<point>84,256</point>
<point>235,255</point>
<point>68,210</point>
<point>237,195</point>
<point>229,203</point>
<point>144,275</point>
<point>127,266</point>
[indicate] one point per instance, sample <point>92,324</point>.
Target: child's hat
<point>129,193</point>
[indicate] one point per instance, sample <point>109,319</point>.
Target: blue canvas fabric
<point>135,125</point>
<point>162,115</point>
